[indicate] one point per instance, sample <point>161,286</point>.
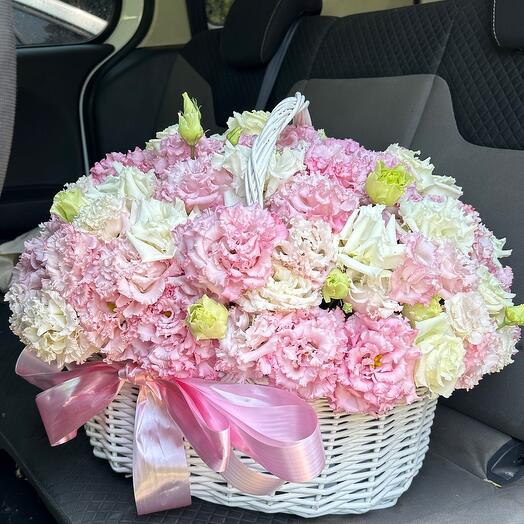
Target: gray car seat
<point>432,77</point>
<point>7,85</point>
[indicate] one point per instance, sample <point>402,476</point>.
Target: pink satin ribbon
<point>272,426</point>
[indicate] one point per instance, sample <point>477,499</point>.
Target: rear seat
<point>433,78</point>
<point>222,68</point>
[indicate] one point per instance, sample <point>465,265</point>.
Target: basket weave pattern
<point>370,461</point>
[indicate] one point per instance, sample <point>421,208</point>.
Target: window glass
<point>55,22</point>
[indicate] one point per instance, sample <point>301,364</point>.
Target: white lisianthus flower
<point>508,337</point>
<point>234,160</point>
<point>130,183</point>
<point>84,183</point>
<point>498,248</point>
<point>284,291</point>
<point>49,327</point>
<point>283,165</point>
<point>495,297</point>
<point>442,356</point>
<point>250,122</point>
<point>469,317</point>
<point>370,296</point>
<point>426,182</point>
<point>440,220</point>
<point>368,245</point>
<point>150,227</point>
<point>154,143</point>
<point>309,250</point>
<point>106,217</point>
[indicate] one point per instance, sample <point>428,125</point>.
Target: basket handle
<point>293,108</point>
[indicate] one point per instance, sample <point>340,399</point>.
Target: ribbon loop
<point>274,427</point>
<point>160,472</point>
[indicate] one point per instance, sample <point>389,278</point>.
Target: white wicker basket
<point>370,461</point>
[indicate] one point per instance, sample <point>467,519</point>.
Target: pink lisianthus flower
<point>479,359</point>
<point>156,336</point>
<point>173,150</point>
<point>457,272</point>
<point>68,253</point>
<point>376,372</point>
<point>228,250</point>
<point>305,352</point>
<point>314,197</point>
<point>247,140</point>
<point>105,168</point>
<point>245,339</point>
<point>428,270</point>
<point>297,351</point>
<point>484,252</point>
<point>30,271</point>
<point>196,183</point>
<point>343,160</point>
<point>494,352</point>
<point>294,136</point>
<point>415,280</point>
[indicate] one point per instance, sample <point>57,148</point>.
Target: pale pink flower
<point>68,252</point>
<point>295,136</point>
<point>416,279</point>
<point>228,250</point>
<point>494,352</point>
<point>173,150</point>
<point>237,353</point>
<point>315,197</point>
<point>376,372</point>
<point>457,272</point>
<point>485,253</point>
<point>297,351</point>
<point>103,169</point>
<point>344,160</point>
<point>196,183</point>
<point>305,352</point>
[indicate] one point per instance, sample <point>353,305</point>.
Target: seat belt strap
<point>273,68</point>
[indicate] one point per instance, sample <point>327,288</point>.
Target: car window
<point>59,22</point>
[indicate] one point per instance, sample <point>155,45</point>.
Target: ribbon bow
<point>272,426</point>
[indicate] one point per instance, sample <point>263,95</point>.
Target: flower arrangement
<point>361,279</point>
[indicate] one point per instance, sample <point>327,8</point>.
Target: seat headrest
<point>254,28</point>
<point>508,26</point>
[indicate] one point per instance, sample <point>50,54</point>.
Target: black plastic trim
<point>89,114</point>
<point>507,464</point>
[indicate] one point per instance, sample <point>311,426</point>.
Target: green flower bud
<point>419,312</point>
<point>207,319</point>
<point>234,135</point>
<point>386,185</point>
<point>347,308</point>
<point>189,126</point>
<point>67,204</point>
<point>514,315</point>
<point>336,285</point>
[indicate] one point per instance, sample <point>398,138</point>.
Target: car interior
<point>444,77</point>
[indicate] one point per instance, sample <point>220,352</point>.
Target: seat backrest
<point>432,77</point>
<point>222,68</point>
<point>7,85</point>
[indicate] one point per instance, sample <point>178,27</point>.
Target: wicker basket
<point>370,461</point>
